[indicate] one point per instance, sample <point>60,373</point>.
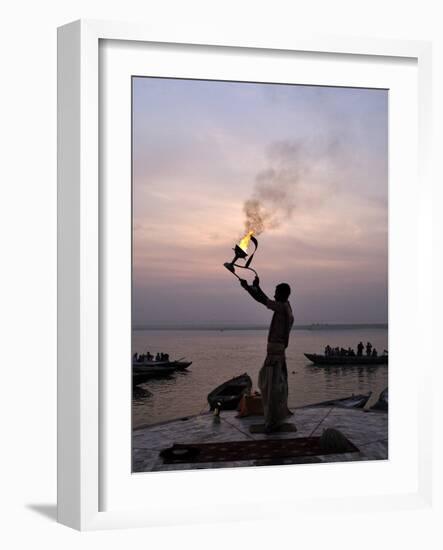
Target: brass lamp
<point>241,254</point>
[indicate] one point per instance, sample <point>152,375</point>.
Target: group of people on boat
<point>370,351</point>
<point>142,357</point>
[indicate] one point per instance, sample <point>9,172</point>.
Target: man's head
<point>282,292</point>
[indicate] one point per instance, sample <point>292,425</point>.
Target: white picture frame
<point>82,397</point>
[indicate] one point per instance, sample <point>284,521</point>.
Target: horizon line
<point>255,326</point>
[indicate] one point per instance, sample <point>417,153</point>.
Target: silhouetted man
<point>360,348</point>
<point>273,376</point>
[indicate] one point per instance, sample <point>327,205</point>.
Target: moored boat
<point>344,360</point>
<point>227,396</point>
<point>382,403</point>
<point>352,402</point>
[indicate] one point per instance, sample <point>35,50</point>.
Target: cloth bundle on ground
<point>250,405</point>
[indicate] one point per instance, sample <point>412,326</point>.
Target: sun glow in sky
<point>202,148</point>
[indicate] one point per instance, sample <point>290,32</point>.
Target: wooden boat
<point>382,402</point>
<point>343,360</point>
<point>179,364</point>
<point>227,396</point>
<point>352,402</point>
<point>149,372</point>
<point>147,363</point>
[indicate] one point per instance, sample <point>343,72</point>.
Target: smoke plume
<point>279,188</point>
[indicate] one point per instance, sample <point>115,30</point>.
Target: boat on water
<point>143,374</point>
<point>382,403</point>
<point>180,365</point>
<point>352,402</point>
<point>227,396</point>
<point>343,360</point>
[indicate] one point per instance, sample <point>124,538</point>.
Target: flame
<point>244,243</point>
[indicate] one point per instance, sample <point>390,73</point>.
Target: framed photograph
<point>240,222</point>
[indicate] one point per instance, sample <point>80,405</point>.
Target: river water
<point>218,355</point>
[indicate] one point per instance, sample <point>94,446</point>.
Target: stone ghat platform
<point>367,430</point>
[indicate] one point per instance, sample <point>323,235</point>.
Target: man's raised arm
<point>255,291</point>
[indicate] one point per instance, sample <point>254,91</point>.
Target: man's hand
<point>244,283</point>
<point>255,291</point>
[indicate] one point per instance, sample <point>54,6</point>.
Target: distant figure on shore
<point>368,349</point>
<point>273,376</point>
<point>328,350</point>
<point>374,353</point>
<point>360,348</point>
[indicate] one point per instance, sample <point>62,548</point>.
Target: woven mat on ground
<point>247,450</point>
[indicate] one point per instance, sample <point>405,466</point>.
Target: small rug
<point>231,451</point>
<point>260,428</point>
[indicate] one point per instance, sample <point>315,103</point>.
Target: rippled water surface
<point>218,355</point>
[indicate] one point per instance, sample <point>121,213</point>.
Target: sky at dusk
<point>316,158</point>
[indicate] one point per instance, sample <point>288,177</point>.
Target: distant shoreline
<point>226,327</point>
